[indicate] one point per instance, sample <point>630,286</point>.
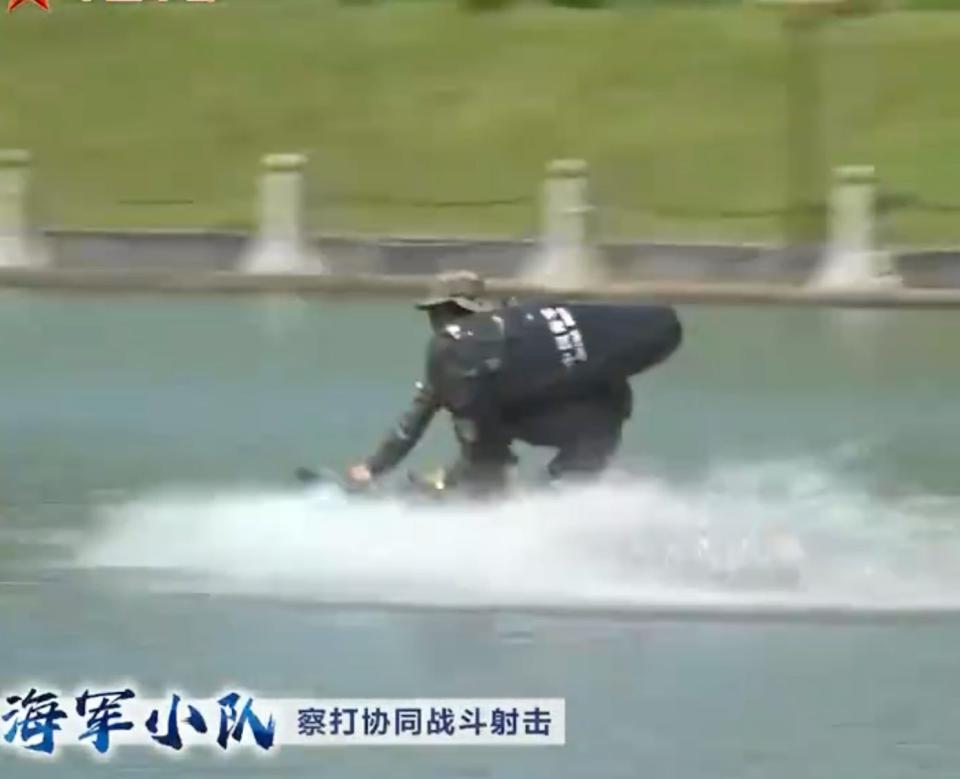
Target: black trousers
<point>586,433</point>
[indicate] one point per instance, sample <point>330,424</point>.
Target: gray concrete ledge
<point>211,251</point>
<point>115,281</point>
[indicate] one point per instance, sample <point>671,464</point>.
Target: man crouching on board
<point>547,373</point>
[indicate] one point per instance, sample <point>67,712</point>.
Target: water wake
<point>774,536</point>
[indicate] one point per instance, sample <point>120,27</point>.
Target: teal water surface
<point>723,610</point>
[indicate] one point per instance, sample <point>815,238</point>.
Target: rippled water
<point>768,583</point>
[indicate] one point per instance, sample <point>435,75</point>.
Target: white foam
<point>783,535</point>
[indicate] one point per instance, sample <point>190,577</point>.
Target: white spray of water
<point>782,536</point>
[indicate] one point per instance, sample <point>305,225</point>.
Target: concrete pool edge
<point>394,286</point>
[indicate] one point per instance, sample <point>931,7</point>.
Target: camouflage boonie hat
<point>463,287</point>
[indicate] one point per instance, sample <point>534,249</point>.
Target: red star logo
<point>44,4</point>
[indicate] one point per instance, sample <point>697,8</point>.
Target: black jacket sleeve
<point>408,431</point>
<point>471,400</point>
<point>471,397</point>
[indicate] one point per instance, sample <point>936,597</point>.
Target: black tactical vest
<point>538,352</point>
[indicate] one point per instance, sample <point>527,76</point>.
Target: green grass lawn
<point>156,114</point>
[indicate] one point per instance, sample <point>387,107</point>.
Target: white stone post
<point>851,257</point>
<point>565,255</point>
<point>280,244</point>
<point>16,247</point>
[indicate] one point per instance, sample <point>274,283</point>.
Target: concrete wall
<point>220,251</point>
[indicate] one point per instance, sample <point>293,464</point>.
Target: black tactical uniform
<point>547,374</point>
